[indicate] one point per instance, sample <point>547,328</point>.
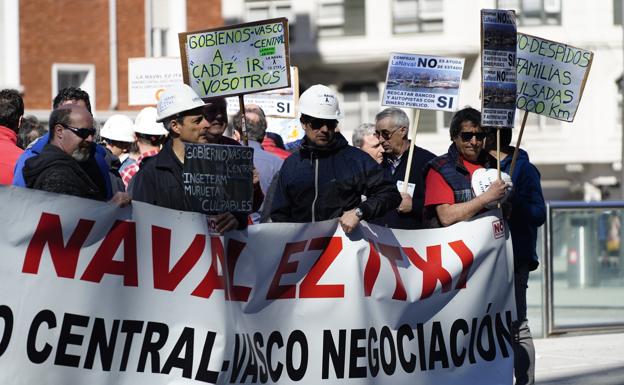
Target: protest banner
<point>498,68</point>
<point>148,77</point>
<point>96,294</point>
<point>237,59</point>
<point>281,103</point>
<point>551,77</point>
<point>218,178</point>
<point>423,81</point>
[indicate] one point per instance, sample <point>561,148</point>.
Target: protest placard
<point>423,81</point>
<point>498,68</point>
<point>218,178</point>
<point>280,103</point>
<point>551,77</point>
<point>237,59</point>
<point>97,294</point>
<point>148,77</point>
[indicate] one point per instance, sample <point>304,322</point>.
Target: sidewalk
<point>596,359</point>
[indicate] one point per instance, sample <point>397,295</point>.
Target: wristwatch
<point>359,213</point>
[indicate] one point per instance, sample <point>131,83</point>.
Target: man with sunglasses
<point>448,190</point>
<point>59,166</point>
<point>392,128</point>
<point>326,178</point>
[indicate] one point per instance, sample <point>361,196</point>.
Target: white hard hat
<point>177,98</point>
<point>145,122</point>
<point>321,102</point>
<point>118,127</point>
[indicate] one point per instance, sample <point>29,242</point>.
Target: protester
<point>528,212</point>
<point>30,130</point>
<point>326,178</point>
<point>365,139</point>
<point>11,113</point>
<point>159,180</point>
<point>57,169</point>
<point>150,135</point>
<point>392,129</point>
<point>99,158</point>
<point>118,136</point>
<point>448,191</point>
<point>267,164</point>
<point>274,144</point>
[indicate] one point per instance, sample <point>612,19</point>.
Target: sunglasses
<point>467,136</point>
<point>385,134</point>
<point>83,133</point>
<point>317,124</point>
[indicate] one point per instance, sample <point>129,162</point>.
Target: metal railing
<point>583,268</point>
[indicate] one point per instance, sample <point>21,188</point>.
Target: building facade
<point>346,43</point>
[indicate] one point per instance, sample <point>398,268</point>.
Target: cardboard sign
<point>498,68</point>
<point>281,103</point>
<point>218,178</point>
<point>425,82</point>
<point>237,59</point>
<point>149,76</point>
<point>551,77</point>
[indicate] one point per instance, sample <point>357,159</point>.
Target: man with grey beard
<point>59,168</point>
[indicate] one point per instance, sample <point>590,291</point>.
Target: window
<point>534,12</point>
<point>536,122</point>
<point>74,75</point>
<point>410,16</point>
<point>360,104</point>
<point>617,12</point>
<point>270,9</point>
<point>164,20</point>
<point>341,18</point>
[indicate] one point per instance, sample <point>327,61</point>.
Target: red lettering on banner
<point>466,256</point>
<point>431,268</point>
<point>49,232</point>
<point>393,254</point>
<point>309,287</point>
<point>103,263</point>
<point>371,271</point>
<point>212,280</point>
<point>165,279</point>
<point>236,292</point>
<point>277,291</point>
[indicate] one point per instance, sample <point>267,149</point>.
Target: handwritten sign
<point>218,178</point>
<point>279,103</point>
<point>551,77</point>
<point>498,68</point>
<point>149,76</point>
<point>425,82</point>
<point>237,59</point>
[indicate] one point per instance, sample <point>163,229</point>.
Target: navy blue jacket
<point>413,219</point>
<point>319,183</point>
<point>528,210</point>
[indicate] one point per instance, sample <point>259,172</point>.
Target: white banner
<point>94,294</point>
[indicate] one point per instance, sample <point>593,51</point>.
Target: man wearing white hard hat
<point>149,135</point>
<point>326,178</point>
<point>118,136</point>
<point>159,180</point>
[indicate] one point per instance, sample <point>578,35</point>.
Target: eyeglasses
<point>83,133</point>
<point>467,136</point>
<point>317,124</point>
<point>385,134</point>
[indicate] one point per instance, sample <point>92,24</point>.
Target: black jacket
<point>413,219</point>
<point>319,183</point>
<point>159,182</point>
<point>55,171</point>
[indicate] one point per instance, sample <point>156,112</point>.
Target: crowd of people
<point>323,178</point>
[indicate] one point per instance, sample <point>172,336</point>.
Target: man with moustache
<point>57,168</point>
<point>327,178</point>
<point>159,180</point>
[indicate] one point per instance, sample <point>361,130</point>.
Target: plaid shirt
<point>131,170</point>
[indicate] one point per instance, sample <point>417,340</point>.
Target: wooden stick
<point>515,154</point>
<point>412,136</point>
<point>241,103</point>
<point>498,167</point>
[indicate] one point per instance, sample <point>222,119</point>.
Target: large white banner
<point>94,294</point>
